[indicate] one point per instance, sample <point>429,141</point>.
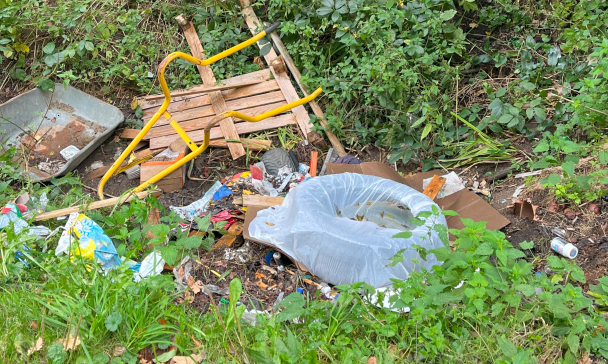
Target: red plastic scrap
<point>223,216</point>
<point>256,172</point>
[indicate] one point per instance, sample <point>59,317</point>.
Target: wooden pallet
<point>252,94</point>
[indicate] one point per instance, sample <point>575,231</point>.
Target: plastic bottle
<point>564,248</point>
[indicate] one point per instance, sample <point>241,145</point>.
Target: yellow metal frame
<point>196,150</point>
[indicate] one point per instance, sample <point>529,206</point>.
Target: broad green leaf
<point>568,167</point>
<point>603,157</point>
<point>528,85</point>
<point>403,235</point>
<point>46,84</point>
<point>112,321</point>
<point>427,129</point>
<point>447,15</point>
<point>526,289</point>
<point>555,263</point>
<point>163,358</point>
<point>265,49</point>
<point>49,48</point>
<point>292,307</point>
<point>169,254</point>
<point>505,118</point>
<point>551,180</point>
<point>526,245</point>
<point>160,229</point>
<point>324,11</point>
<point>396,259</point>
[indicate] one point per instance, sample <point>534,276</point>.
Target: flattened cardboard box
<point>466,203</point>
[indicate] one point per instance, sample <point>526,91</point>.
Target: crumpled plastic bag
<point>93,243</point>
<point>341,227</point>
<point>198,207</point>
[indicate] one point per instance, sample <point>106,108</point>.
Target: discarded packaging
<point>17,211</point>
<point>69,152</point>
<point>93,243</point>
<point>452,184</point>
<point>265,188</point>
<point>198,207</point>
<point>152,265</point>
<point>564,248</point>
<point>347,236</point>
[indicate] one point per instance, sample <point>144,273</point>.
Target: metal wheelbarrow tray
<point>40,124</point>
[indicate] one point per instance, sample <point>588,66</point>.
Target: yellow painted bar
<point>183,135</point>
<point>278,110</point>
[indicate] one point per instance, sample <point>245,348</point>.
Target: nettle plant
<point>486,287</point>
<point>577,188</point>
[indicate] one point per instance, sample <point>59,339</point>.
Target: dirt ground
<point>262,286</point>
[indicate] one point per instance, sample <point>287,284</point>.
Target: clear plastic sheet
<point>341,226</point>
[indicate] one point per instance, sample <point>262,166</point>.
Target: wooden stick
<point>95,205</point>
<point>333,139</point>
<point>283,80</point>
<point>217,100</point>
<point>258,200</point>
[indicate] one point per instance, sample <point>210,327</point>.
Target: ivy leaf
<point>484,58</point>
<point>265,49</point>
<point>528,85</point>
<point>529,112</point>
<point>499,61</point>
<point>49,48</point>
<point>113,321</point>
<point>497,108</point>
<point>540,113</point>
<point>551,180</point>
<point>169,254</point>
<point>447,15</point>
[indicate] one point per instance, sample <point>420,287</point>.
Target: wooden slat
<point>335,142</point>
<point>434,186</point>
<point>238,104</point>
<point>203,99</point>
<point>242,128</point>
<point>262,76</point>
<point>203,89</point>
<point>129,133</point>
<point>200,123</point>
<point>283,80</point>
<point>259,200</point>
<point>94,205</point>
<point>217,100</point>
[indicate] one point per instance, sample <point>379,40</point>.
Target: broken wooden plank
<point>259,200</point>
<point>262,76</point>
<point>140,156</point>
<point>95,205</point>
<point>130,133</point>
<point>283,80</point>
<point>237,105</point>
<point>217,100</point>
<point>333,139</point>
<point>434,186</point>
<point>200,123</point>
<point>242,128</point>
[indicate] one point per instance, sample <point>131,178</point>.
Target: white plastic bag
<point>341,227</point>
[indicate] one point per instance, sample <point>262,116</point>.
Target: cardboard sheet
<point>466,203</point>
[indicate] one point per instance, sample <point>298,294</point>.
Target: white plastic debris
<point>69,152</point>
<point>452,184</point>
<point>341,228</point>
<point>198,207</point>
<point>265,188</point>
<point>152,265</point>
<point>96,165</point>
